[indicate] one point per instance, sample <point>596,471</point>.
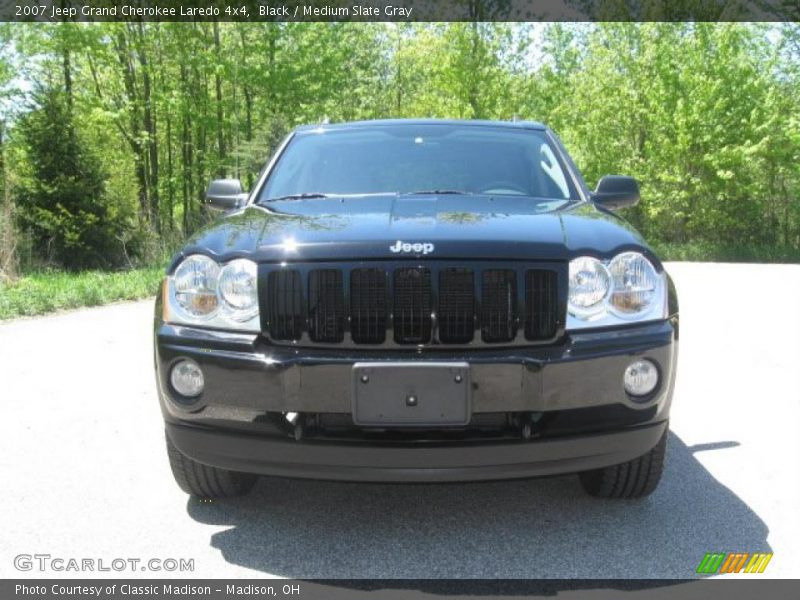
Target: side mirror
<point>225,194</point>
<point>616,191</point>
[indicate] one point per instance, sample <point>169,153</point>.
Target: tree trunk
<point>2,166</point>
<point>220,115</point>
<point>149,123</point>
<point>475,66</point>
<point>170,179</point>
<point>129,81</point>
<point>8,263</point>
<point>186,155</point>
<point>248,112</point>
<point>398,76</point>
<point>67,79</point>
<point>201,147</point>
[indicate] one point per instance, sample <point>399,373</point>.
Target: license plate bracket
<point>411,394</point>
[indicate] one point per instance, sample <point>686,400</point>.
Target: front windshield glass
<point>421,158</point>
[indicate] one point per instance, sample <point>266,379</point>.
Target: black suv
<point>417,300</point>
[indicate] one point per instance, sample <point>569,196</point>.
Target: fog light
<point>187,378</point>
<point>640,378</point>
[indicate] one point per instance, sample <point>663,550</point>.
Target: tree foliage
<point>699,114</point>
<point>62,200</point>
<point>704,114</point>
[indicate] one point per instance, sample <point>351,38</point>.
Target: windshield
<point>426,158</point>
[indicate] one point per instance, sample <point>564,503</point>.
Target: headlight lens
<point>196,286</point>
<point>635,283</point>
<point>238,289</point>
<point>589,283</point>
<point>201,292</point>
<point>626,288</point>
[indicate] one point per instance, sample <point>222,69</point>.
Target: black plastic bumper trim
<point>469,462</point>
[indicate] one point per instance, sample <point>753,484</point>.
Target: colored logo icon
<point>734,562</point>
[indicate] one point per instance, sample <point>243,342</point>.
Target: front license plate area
<point>411,394</point>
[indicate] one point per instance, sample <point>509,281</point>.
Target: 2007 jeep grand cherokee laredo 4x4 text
<point>417,301</point>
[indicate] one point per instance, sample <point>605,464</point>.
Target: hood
<point>430,227</point>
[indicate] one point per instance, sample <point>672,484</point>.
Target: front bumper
<point>420,463</point>
<point>571,393</point>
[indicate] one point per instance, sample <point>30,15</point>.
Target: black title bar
<point>61,11</point>
<point>391,589</point>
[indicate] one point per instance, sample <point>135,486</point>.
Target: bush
<point>708,252</point>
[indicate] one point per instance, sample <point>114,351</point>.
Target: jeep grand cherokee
<point>417,300</point>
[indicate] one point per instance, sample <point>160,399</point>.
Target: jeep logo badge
<point>400,246</point>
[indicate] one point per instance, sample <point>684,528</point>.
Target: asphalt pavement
<point>85,476</point>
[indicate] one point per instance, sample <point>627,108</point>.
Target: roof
<point>383,122</point>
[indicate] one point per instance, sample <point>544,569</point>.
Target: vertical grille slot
<point>456,306</point>
<point>368,306</point>
<point>412,306</point>
<point>541,299</point>
<point>498,305</point>
<point>285,305</point>
<point>325,305</point>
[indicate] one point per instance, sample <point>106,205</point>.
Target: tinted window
<point>413,158</point>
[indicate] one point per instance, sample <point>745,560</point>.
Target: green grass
<point>47,291</point>
<point>705,252</point>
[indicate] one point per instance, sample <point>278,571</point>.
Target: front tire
<point>204,481</point>
<point>636,478</point>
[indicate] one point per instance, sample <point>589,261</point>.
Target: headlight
<point>196,286</point>
<point>201,292</point>
<point>626,288</point>
<point>635,284</point>
<point>589,284</point>
<point>238,289</point>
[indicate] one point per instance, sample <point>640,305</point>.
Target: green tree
<point>8,262</point>
<point>704,114</point>
<point>699,114</point>
<point>61,201</point>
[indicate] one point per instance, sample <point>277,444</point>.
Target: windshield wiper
<point>438,193</point>
<point>302,196</point>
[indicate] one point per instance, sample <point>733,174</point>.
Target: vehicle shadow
<point>537,528</point>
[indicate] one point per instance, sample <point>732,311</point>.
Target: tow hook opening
<point>298,424</point>
<point>527,424</point>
